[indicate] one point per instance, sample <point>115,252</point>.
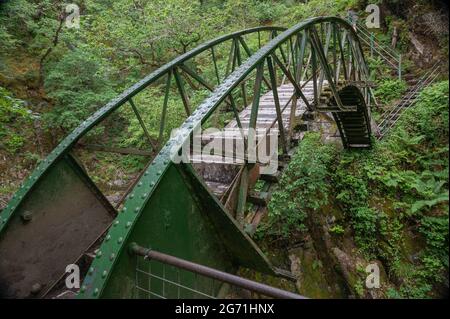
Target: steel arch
<point>113,250</point>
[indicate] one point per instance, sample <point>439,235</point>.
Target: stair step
<point>359,145</point>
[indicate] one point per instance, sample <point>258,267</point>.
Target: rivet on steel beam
<point>96,291</point>
<point>120,240</point>
<point>108,237</point>
<point>26,216</point>
<point>144,195</point>
<point>112,256</point>
<point>116,223</point>
<point>36,288</point>
<point>128,225</point>
<point>91,270</point>
<point>83,289</point>
<point>140,184</point>
<point>104,274</point>
<point>98,254</point>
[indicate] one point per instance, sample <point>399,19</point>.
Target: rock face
<point>328,265</point>
<point>420,48</point>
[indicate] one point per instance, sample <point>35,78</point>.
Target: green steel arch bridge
<point>182,230</point>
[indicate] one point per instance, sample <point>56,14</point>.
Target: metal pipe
<point>214,273</point>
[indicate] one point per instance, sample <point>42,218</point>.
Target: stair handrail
<point>414,90</point>
<point>424,82</point>
<point>430,80</point>
<point>367,37</point>
<point>367,33</point>
<point>394,111</point>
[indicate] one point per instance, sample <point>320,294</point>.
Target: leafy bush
<point>268,11</point>
<point>79,85</point>
<point>314,8</point>
<point>389,90</point>
<point>13,116</point>
<point>429,117</point>
<point>403,181</point>
<point>365,224</point>
<point>303,188</point>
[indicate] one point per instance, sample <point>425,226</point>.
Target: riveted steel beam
<point>33,189</point>
<point>97,279</point>
<point>109,108</point>
<point>111,266</point>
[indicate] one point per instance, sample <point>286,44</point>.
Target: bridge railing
<point>320,58</point>
<point>67,179</point>
<point>163,276</point>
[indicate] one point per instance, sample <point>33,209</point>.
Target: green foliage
<point>7,41</point>
<point>315,8</point>
<point>430,116</point>
<point>403,181</point>
<point>435,231</point>
<point>389,90</point>
<point>13,116</point>
<point>268,11</point>
<point>364,222</point>
<point>28,23</point>
<point>337,230</point>
<point>77,91</point>
<point>303,187</point>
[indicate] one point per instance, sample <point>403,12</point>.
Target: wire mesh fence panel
<point>156,280</point>
<point>161,276</point>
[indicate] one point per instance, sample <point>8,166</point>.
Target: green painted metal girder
<point>24,197</point>
<point>191,224</point>
<point>97,280</point>
<point>69,141</point>
<point>150,199</point>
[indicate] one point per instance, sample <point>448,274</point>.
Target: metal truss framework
<point>169,207</point>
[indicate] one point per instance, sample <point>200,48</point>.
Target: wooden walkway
<point>219,171</point>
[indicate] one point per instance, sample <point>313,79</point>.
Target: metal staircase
<point>60,214</point>
<point>354,127</point>
<point>394,60</point>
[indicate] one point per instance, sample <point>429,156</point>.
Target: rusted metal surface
<point>53,227</point>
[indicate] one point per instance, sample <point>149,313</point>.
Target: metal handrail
<point>416,88</point>
<point>388,55</point>
<point>424,82</point>
<point>213,273</point>
<point>392,123</point>
<point>365,32</point>
<point>394,65</point>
